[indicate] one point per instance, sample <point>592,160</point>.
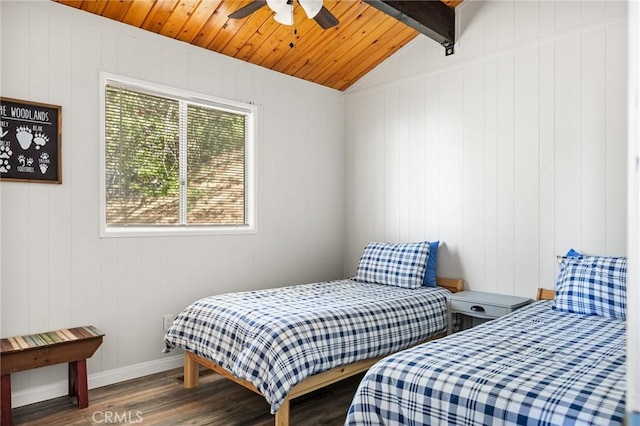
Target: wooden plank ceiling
<point>336,57</point>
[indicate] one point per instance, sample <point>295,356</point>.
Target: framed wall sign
<point>30,137</point>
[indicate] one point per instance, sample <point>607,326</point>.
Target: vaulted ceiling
<point>336,57</point>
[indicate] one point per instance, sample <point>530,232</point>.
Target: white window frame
<point>250,112</point>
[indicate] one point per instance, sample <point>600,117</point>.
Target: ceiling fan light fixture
<point>285,15</point>
<point>276,5</point>
<point>311,7</point>
<point>283,10</point>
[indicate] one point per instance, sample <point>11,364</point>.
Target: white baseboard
<point>104,378</point>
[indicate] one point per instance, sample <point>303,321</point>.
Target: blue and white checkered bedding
<point>592,285</point>
<point>278,337</point>
<point>536,366</point>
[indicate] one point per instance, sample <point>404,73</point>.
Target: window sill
<point>177,231</point>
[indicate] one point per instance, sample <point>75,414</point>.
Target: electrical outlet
<point>167,320</point>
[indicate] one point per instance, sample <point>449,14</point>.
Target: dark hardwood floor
<point>160,399</point>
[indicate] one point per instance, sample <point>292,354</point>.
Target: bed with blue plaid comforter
<point>276,338</point>
<point>535,366</point>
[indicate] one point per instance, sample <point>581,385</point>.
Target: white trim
<point>633,210</point>
<point>162,231</point>
<point>250,169</point>
<point>97,380</point>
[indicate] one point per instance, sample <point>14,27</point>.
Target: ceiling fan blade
<point>325,19</point>
<point>247,10</point>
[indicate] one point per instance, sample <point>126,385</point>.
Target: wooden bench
<point>73,345</point>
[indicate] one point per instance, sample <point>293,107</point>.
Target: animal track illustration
<point>40,139</point>
<point>4,165</point>
<point>24,135</point>
<point>5,151</point>
<point>21,159</point>
<point>44,162</point>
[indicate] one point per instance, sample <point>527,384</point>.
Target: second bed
<point>285,342</point>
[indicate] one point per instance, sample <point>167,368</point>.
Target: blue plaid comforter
<point>533,367</point>
<point>278,337</point>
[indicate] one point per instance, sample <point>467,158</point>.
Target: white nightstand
<point>483,305</point>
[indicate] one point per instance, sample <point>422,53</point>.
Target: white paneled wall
<point>511,151</point>
<point>57,272</point>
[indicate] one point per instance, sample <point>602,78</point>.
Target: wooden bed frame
<point>544,294</point>
<point>192,363</point>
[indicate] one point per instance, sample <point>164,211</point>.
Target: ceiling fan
<point>284,11</point>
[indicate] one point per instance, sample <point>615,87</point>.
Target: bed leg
<point>282,415</point>
<point>191,371</point>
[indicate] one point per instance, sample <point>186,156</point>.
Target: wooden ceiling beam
<point>434,19</point>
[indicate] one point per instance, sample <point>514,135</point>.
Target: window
<point>174,161</point>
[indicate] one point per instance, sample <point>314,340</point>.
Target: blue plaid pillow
<point>400,265</point>
<point>592,285</point>
<point>432,265</point>
<point>573,253</point>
